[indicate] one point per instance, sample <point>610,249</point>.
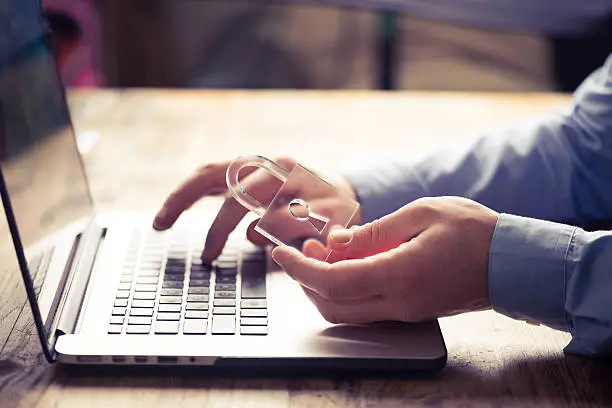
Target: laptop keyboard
<point>165,289</point>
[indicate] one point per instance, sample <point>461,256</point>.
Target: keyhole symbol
<point>300,210</point>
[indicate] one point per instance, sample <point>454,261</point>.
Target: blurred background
<point>466,45</point>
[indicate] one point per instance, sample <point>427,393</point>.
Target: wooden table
<point>145,142</point>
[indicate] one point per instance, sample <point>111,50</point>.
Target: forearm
<point>556,274</point>
<point>525,170</point>
<point>557,167</point>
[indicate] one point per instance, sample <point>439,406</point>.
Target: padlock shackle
<point>234,186</point>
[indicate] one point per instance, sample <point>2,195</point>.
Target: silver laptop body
<point>107,289</point>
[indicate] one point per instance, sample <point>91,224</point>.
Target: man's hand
<point>209,180</point>
<point>428,259</point>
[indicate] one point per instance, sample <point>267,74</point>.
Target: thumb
<point>287,257</point>
<point>377,236</point>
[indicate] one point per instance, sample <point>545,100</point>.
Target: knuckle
<point>377,233</point>
<point>426,207</point>
<point>285,161</point>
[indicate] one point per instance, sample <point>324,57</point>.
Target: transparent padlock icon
<point>305,205</point>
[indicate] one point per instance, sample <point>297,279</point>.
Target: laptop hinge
<point>75,285</point>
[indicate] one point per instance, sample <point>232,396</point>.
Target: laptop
<point>106,289</point>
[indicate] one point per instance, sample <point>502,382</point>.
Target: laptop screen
<point>40,163</point>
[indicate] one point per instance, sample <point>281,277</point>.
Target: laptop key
<point>197,298</point>
<point>166,327</point>
<point>175,263</point>
<point>172,292</point>
<point>143,303</point>
<point>253,321</point>
<point>226,279</point>
<point>123,294</point>
<point>144,295</point>
<point>254,313</point>
<point>118,311</point>
<point>152,257</point>
<point>222,324</point>
<point>125,286</point>
<point>168,316</point>
<point>114,328</point>
<point>226,262</point>
<point>148,273</point>
<point>225,295</point>
<point>198,283</point>
<point>170,300</point>
<point>225,286</point>
<point>116,320</point>
<point>172,285</point>
<point>224,311</point>
<point>152,280</point>
<point>253,304</point>
<point>199,275</point>
<point>126,279</point>
<point>121,302</point>
<point>196,314</point>
<point>227,272</point>
<point>195,326</point>
<point>150,265</point>
<point>146,288</point>
<point>198,291</point>
<point>173,270</point>
<point>173,278</point>
<point>139,320</point>
<point>169,308</point>
<point>225,302</point>
<point>254,330</point>
<point>197,306</point>
<point>138,329</point>
<point>148,312</point>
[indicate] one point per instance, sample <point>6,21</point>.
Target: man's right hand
<point>209,180</point>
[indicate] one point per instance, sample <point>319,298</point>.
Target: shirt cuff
<point>527,269</point>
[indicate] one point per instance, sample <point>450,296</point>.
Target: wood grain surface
<point>140,144</point>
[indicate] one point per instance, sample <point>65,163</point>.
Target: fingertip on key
<point>208,256</point>
<point>161,221</point>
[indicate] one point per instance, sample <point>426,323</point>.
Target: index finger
<point>207,180</point>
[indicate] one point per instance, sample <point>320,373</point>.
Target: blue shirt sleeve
<point>556,274</point>
<point>556,167</point>
<point>549,178</point>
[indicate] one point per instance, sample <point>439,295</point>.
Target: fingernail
<point>160,220</point>
<point>343,236</point>
<point>275,258</point>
